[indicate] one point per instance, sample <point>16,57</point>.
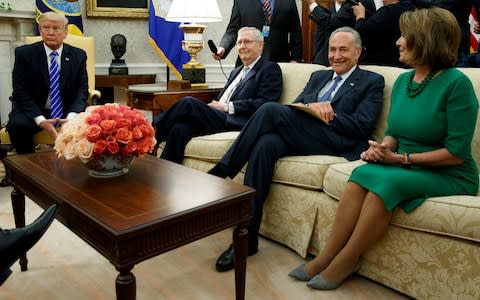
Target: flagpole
<point>168,75</point>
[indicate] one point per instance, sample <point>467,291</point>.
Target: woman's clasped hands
<point>379,153</point>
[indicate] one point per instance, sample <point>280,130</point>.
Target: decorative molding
<point>17,14</point>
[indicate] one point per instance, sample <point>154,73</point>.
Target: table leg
<point>240,245</point>
<point>125,284</point>
<point>18,204</point>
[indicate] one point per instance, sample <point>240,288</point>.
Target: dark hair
<point>433,37</point>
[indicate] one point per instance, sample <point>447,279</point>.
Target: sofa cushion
<point>449,215</point>
<point>301,171</point>
<point>210,147</point>
<point>304,171</point>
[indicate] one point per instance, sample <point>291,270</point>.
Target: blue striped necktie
<point>328,94</point>
<point>56,110</point>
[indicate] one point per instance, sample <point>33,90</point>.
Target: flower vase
<point>106,166</point>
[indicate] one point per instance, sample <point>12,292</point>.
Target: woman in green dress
<point>426,150</point>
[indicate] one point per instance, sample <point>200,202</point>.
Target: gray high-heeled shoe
<point>300,274</point>
<point>317,282</point>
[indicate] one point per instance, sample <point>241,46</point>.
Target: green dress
<point>443,115</point>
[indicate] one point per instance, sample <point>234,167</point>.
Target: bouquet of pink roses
<point>106,130</point>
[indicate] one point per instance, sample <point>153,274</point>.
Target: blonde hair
<point>432,35</point>
<point>53,16</point>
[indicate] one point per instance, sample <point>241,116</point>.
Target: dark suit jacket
<point>263,83</point>
<point>31,83</point>
<point>379,34</point>
<point>461,10</point>
<point>357,105</point>
<point>328,20</point>
<point>285,40</point>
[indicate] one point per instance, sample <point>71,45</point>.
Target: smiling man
<point>255,82</point>
<point>344,105</point>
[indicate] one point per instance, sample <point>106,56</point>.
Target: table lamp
<point>190,13</point>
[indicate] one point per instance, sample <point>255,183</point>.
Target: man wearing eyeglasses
<point>49,84</point>
<point>255,82</point>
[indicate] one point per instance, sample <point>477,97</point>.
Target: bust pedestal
<point>118,67</point>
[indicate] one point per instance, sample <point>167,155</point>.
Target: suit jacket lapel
<point>43,61</point>
<point>249,75</point>
<point>347,86</point>
<point>275,9</point>
<point>65,65</point>
<point>322,82</point>
<point>229,81</point>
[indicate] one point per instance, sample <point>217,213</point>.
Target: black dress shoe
<point>225,260</point>
<point>15,242</point>
<point>218,170</point>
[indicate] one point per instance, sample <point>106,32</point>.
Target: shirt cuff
<point>71,115</point>
<point>39,119</point>
<point>231,108</point>
<point>312,6</point>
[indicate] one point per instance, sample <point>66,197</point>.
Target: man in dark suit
<point>32,83</point>
<point>281,28</point>
<point>345,102</point>
<point>329,19</point>
<point>250,85</point>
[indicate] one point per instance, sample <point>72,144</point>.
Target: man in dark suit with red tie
<point>255,82</point>
<point>344,104</point>
<point>46,91</point>
<point>279,23</point>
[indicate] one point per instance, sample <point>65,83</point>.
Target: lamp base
<point>194,73</point>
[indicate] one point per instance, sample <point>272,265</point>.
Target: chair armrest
<point>93,97</point>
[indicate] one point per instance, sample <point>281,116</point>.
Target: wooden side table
<point>156,98</point>
<point>106,83</point>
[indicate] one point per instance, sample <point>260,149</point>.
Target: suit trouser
<point>274,131</point>
<point>21,130</point>
<point>187,118</point>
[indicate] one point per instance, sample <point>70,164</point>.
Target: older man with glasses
<point>250,85</point>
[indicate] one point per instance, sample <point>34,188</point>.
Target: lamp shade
<point>194,11</point>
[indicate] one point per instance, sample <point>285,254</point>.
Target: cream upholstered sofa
<point>431,253</point>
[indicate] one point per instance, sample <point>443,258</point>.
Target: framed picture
<point>118,8</point>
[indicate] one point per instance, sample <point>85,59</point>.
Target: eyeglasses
<point>247,43</point>
<point>56,29</point>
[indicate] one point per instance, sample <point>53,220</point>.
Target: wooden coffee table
<point>156,207</point>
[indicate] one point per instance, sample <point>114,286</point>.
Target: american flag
<point>474,37</point>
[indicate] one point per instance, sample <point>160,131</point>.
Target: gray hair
<point>53,16</point>
<point>257,34</point>
<point>356,35</point>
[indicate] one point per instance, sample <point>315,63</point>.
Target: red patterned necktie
<point>267,11</point>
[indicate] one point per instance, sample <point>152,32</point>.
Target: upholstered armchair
<point>85,43</point>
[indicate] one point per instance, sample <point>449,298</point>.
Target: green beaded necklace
<point>412,92</point>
